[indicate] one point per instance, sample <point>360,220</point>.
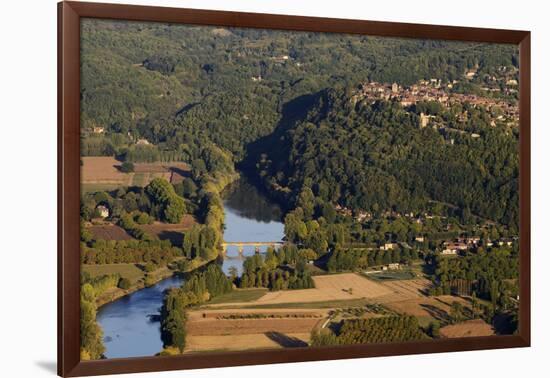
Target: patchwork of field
<point>283,319</point>
<point>241,329</point>
<point>103,173</point>
<point>164,231</point>
<point>409,297</point>
<point>469,328</point>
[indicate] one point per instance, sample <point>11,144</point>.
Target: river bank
<point>129,317</point>
<point>152,278</point>
<point>214,186</point>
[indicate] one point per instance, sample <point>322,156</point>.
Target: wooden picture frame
<point>69,16</point>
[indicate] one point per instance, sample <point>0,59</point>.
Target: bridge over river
<point>256,244</point>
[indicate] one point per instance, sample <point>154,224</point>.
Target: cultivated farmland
<point>103,170</point>
<point>239,329</point>
<point>103,173</point>
<point>168,231</point>
<point>109,232</point>
<point>469,328</point>
<point>271,340</point>
<point>327,288</point>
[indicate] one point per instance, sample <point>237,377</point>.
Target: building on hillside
<point>424,120</point>
<point>454,247</point>
<point>103,211</point>
<point>395,88</point>
<point>505,241</point>
<point>362,215</point>
<point>388,246</point>
<point>470,74</point>
<point>98,130</point>
<point>472,240</point>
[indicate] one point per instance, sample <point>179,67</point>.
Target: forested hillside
<point>375,157</point>
<point>174,84</point>
<point>266,98</point>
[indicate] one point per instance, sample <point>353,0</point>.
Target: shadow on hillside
<point>292,112</point>
<point>286,341</point>
<point>175,237</point>
<point>436,312</point>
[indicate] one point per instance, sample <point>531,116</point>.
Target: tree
<point>174,210</point>
<point>433,329</point>
<point>456,312</point>
<point>124,283</point>
<point>233,273</point>
<point>127,167</point>
<point>163,194</point>
<point>143,218</point>
<point>306,200</point>
<point>91,335</point>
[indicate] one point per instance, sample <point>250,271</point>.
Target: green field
<point>239,295</point>
<point>391,275</point>
<point>140,179</point>
<point>89,187</point>
<point>130,271</point>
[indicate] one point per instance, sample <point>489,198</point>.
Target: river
<point>129,330</point>
<point>249,217</point>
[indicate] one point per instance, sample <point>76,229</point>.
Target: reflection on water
<point>244,199</point>
<point>128,327</point>
<point>249,216</point>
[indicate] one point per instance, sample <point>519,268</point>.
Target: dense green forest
<point>491,275</point>
<point>284,269</point>
<point>375,157</point>
<point>190,92</point>
<point>172,84</point>
<point>350,259</point>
